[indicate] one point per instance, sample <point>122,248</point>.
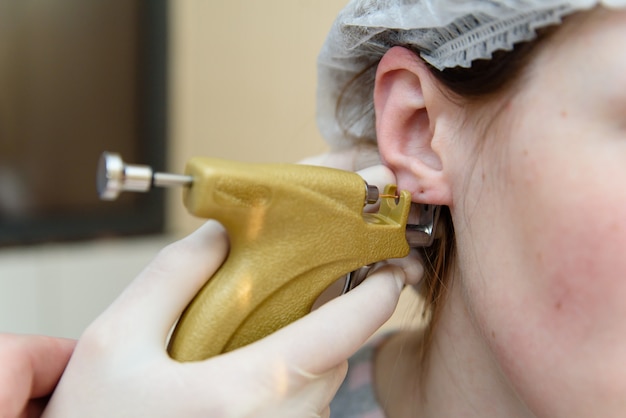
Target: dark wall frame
<point>132,215</point>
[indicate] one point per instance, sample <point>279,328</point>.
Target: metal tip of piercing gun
<point>293,230</point>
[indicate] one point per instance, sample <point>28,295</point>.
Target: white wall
<point>244,80</point>
<point>242,87</point>
<point>59,289</point>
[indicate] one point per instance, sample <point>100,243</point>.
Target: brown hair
<point>486,79</point>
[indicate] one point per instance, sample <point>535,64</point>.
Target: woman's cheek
<point>572,237</point>
<point>564,311</point>
<point>583,266</point>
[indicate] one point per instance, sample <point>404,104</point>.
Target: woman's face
<point>541,225</point>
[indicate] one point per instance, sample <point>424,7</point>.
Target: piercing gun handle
<point>293,231</point>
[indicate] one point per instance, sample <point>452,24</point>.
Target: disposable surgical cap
<point>447,33</point>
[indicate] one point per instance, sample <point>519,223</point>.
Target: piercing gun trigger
<point>293,231</point>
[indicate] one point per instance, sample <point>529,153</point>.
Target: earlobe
<point>408,102</point>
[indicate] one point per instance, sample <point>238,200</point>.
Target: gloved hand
<point>355,158</point>
<point>120,367</point>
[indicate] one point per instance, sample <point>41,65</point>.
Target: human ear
<point>410,114</point>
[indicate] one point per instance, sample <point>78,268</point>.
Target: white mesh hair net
<point>448,33</point>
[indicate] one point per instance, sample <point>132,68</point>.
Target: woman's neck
<point>460,376</point>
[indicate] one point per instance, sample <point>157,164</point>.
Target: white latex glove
<point>120,367</point>
<point>355,158</point>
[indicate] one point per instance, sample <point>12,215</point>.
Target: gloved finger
<point>378,175</point>
<point>310,398</point>
<point>156,298</point>
<point>271,386</point>
<point>329,335</point>
<point>349,159</point>
<point>412,265</point>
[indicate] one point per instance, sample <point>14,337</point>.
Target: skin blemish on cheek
<point>539,257</point>
<point>564,114</point>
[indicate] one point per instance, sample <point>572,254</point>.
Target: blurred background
<point>158,82</point>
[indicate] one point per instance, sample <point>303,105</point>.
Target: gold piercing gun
<point>293,231</point>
